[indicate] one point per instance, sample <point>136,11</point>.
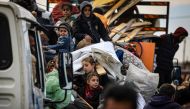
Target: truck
<point>22,84</point>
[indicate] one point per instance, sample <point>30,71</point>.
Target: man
<point>167,47</point>
<point>164,99</point>
<point>120,97</point>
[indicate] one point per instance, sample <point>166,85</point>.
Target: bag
<point>146,81</point>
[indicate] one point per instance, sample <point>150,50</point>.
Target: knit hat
<point>84,4</point>
<point>180,33</point>
<point>67,27</point>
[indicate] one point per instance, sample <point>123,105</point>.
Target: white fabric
<point>104,53</point>
<point>140,102</point>
<point>146,81</point>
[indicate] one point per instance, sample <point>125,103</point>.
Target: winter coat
<point>164,59</point>
<point>54,92</point>
<point>161,102</point>
<point>64,44</point>
<point>93,27</point>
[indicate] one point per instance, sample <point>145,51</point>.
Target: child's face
<point>66,11</point>
<point>87,11</point>
<point>87,67</point>
<point>63,32</point>
<point>93,82</point>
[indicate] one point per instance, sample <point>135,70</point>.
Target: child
<point>67,17</point>
<point>53,90</point>
<point>89,27</point>
<point>89,66</point>
<point>65,42</point>
<point>92,90</point>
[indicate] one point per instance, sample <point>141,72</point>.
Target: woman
<point>88,26</point>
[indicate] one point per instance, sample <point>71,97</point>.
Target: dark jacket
<point>91,96</point>
<point>165,54</point>
<point>161,102</point>
<point>93,27</point>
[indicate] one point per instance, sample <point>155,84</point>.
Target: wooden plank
<point>98,3</point>
<point>127,27</point>
<point>146,32</point>
<point>131,35</point>
<point>154,29</point>
<point>54,1</point>
<point>117,29</point>
<point>128,6</point>
<point>117,5</point>
<point>153,3</point>
<point>138,24</point>
<point>85,102</point>
<point>150,16</point>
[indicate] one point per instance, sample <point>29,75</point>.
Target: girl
<point>53,90</point>
<point>92,90</point>
<point>89,27</point>
<point>89,66</point>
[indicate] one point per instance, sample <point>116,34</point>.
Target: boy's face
<point>66,11</point>
<point>63,32</point>
<point>87,67</point>
<point>93,82</point>
<point>87,11</point>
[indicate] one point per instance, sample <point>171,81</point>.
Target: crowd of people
<point>95,90</point>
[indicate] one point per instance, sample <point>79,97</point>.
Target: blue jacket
<point>161,102</point>
<point>64,44</point>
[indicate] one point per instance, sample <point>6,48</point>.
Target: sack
<point>146,81</point>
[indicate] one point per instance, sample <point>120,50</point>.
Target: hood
<point>160,100</point>
<point>85,3</point>
<point>180,33</point>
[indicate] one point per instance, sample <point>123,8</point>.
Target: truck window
<point>38,64</point>
<point>5,43</point>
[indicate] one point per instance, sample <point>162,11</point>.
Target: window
<point>6,57</point>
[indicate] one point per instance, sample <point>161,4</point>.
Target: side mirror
<point>65,70</point>
<point>176,74</point>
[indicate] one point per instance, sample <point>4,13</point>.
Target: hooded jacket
<point>91,26</point>
<point>54,92</point>
<point>161,102</point>
<point>167,47</point>
<point>64,43</point>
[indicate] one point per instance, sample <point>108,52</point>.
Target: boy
<point>67,14</point>
<point>65,42</point>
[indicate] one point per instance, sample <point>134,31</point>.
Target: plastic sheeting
<point>104,53</point>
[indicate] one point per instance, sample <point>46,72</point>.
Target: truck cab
<point>22,63</point>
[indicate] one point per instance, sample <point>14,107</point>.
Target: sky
<point>179,16</point>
